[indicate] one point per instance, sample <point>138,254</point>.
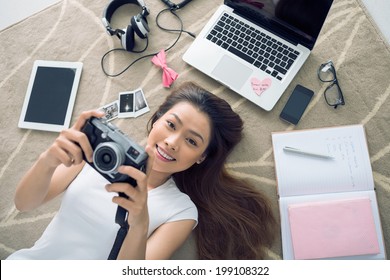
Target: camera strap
<point>121,220</point>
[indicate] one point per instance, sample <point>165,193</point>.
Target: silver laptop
<point>257,47</point>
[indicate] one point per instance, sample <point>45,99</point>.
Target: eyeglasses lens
<point>332,95</point>
<point>326,73</point>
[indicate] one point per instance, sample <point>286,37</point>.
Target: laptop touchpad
<point>231,72</point>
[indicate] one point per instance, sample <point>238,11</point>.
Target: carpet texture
<point>72,31</point>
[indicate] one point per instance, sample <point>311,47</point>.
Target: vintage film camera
<point>111,149</point>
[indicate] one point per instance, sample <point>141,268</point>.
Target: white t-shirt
<point>85,228</point>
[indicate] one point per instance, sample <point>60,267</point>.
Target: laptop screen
<point>298,21</point>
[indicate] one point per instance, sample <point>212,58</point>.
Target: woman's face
<point>178,139</point>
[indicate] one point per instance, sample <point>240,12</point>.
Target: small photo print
<point>140,104</point>
<point>132,104</point>
<point>111,110</point>
<point>126,104</point>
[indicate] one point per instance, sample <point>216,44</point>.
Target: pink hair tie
<point>169,75</point>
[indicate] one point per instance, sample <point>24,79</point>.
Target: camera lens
<point>107,157</point>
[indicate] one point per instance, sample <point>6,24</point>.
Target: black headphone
<point>138,24</point>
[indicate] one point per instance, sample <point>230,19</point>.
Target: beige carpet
<point>72,31</point>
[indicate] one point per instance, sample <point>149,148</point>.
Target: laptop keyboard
<point>263,51</point>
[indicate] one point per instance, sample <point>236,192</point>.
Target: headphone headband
<point>113,6</point>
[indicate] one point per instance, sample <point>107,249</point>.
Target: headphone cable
<point>181,30</point>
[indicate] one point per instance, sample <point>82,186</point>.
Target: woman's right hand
<point>69,146</point>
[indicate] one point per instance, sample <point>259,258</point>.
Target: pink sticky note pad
<point>335,228</point>
<point>260,86</point>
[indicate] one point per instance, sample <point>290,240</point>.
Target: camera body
<point>111,149</point>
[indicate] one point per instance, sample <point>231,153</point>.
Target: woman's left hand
<point>136,203</point>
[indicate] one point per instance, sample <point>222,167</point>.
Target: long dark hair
<point>235,220</point>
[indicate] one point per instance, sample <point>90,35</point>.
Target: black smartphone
<point>296,104</point>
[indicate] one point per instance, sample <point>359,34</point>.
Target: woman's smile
<point>163,154</point>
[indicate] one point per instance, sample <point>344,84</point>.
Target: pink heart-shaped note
<point>260,86</point>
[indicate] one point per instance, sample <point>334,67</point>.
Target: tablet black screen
<point>50,95</point>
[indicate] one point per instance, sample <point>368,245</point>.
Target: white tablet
<point>51,94</point>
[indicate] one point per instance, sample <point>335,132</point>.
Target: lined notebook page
<point>350,170</point>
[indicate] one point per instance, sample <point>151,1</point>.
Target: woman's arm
<point>161,245</point>
<point>55,168</point>
<point>42,183</point>
<point>167,239</point>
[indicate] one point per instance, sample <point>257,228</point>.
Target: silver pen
<point>307,153</point>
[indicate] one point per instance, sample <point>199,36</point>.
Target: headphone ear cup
<point>140,26</point>
<point>127,39</point>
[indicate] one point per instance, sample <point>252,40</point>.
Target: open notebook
<point>328,206</point>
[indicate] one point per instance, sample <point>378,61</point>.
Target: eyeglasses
<point>333,94</point>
